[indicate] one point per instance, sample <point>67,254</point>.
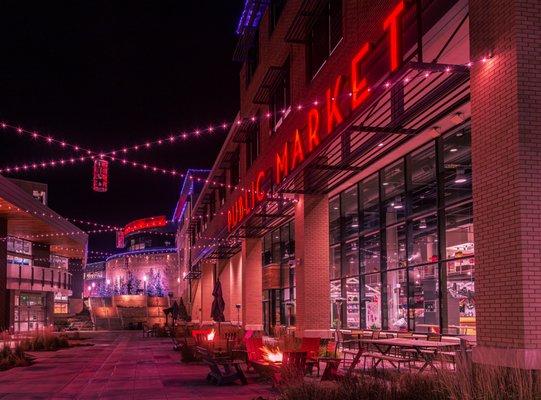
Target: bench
<point>222,370</point>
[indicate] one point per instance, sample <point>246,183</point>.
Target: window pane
<point>369,191</point>
<point>336,292</point>
<point>396,246</point>
<point>423,179</point>
<point>457,166</point>
<point>351,259</point>
<point>352,305</point>
<point>424,247</point>
<point>392,180</point>
<point>335,256</point>
<point>267,249</point>
<point>371,298</point>
<point>284,238</point>
<point>350,218</point>
<point>425,301</point>
<point>334,219</point>
<point>335,20</point>
<point>459,231</point>
<point>397,299</point>
<point>460,296</point>
<point>276,246</point>
<point>370,254</point>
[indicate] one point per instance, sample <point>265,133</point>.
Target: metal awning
<point>268,86</point>
<point>244,129</point>
<point>421,94</point>
<point>304,20</point>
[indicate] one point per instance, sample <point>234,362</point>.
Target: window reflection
<point>334,219</point>
<point>369,193</point>
<point>370,254</point>
<point>396,246</point>
<point>423,182</point>
<point>350,216</point>
<point>352,305</point>
<point>371,297</point>
<point>457,166</point>
<point>425,305</point>
<point>351,259</point>
<point>397,299</point>
<point>424,246</point>
<point>335,258</point>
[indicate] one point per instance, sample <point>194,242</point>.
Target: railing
<point>38,279</point>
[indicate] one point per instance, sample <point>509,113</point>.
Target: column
<point>506,157</point>
<point>312,268</point>
<point>207,286</point>
<point>252,306</point>
<point>4,292</point>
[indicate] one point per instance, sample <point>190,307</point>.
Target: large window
<point>252,144</point>
<point>325,35</point>
<point>275,11</point>
<point>279,248</point>
<point>402,246</point>
<point>280,102</point>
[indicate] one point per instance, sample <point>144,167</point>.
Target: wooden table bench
<point>223,370</point>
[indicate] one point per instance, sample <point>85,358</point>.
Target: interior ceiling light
<point>397,205</point>
<point>422,224</point>
<point>460,176</point>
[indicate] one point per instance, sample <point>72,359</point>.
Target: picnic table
<point>425,350</point>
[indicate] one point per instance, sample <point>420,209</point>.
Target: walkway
<point>120,365</point>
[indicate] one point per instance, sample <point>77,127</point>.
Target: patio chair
<point>312,347</point>
<point>253,350</point>
<point>222,370</point>
<point>292,368</point>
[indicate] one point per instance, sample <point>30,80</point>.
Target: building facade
<point>382,173</point>
<point>36,245</point>
<point>149,264</point>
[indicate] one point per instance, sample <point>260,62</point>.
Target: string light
<point>211,127</point>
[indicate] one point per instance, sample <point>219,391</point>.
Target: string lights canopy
<point>215,127</point>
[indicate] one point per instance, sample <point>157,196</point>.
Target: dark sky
<point>104,74</point>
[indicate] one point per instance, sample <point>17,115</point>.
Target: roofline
<point>13,194</point>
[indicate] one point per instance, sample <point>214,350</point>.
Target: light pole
<point>339,301</point>
<point>145,284</point>
<point>289,306</point>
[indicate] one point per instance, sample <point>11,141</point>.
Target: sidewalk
<point>120,365</point>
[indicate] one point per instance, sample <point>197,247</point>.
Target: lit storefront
<point>402,248</point>
<point>346,190</point>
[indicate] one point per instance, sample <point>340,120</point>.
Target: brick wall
<point>252,309</point>
<point>312,269</point>
<point>506,152</point>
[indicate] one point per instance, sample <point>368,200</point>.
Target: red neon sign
<point>291,155</point>
<point>145,223</point>
<point>247,202</point>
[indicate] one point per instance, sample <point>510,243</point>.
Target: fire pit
<point>274,356</point>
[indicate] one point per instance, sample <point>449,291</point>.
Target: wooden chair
<point>222,370</point>
<point>312,347</point>
<point>292,368</point>
<point>253,350</point>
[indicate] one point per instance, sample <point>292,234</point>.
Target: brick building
<point>382,173</point>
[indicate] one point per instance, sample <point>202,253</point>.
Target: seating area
<point>237,356</point>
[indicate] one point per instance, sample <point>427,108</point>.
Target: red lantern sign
<point>120,239</point>
<point>101,175</point>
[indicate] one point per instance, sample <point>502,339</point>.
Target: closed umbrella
<point>175,311</point>
<point>183,312</point>
<point>218,304</point>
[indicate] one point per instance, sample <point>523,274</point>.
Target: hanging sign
<point>101,175</point>
<point>120,239</point>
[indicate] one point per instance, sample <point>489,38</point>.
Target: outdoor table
<point>384,346</point>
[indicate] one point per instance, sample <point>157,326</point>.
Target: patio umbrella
<point>218,304</point>
<point>175,311</point>
<point>183,312</point>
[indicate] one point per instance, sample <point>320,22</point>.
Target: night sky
<point>104,74</point>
